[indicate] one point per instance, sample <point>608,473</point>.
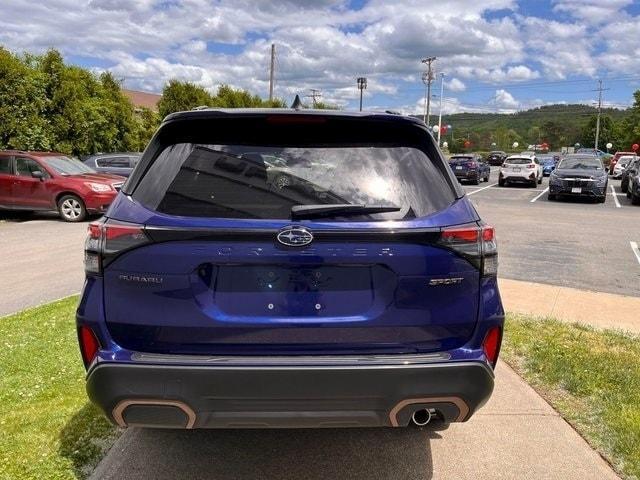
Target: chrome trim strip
<point>119,409</point>
<point>291,360</point>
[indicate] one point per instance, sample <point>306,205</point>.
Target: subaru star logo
<point>295,236</point>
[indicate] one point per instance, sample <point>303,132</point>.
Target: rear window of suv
<point>518,161</point>
<point>265,182</point>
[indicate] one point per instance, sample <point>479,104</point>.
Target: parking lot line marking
<point>615,196</point>
<point>540,194</point>
<point>483,188</point>
<point>636,250</point>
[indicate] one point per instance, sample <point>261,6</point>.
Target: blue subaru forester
<point>290,268</point>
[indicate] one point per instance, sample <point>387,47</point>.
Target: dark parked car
<point>628,172</point>
<point>470,168</point>
<point>117,163</point>
<point>579,175</point>
<point>496,158</point>
<point>633,189</point>
<point>214,299</point>
<point>53,181</point>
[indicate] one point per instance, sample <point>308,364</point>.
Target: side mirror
<point>38,174</point>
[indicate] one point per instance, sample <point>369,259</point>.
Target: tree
<point>608,132</point>
<point>629,127</point>
<point>179,96</point>
<point>23,100</point>
<point>148,122</point>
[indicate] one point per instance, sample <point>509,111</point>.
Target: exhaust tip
<point>421,417</point>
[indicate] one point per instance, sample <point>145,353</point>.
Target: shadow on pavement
<point>271,454</point>
<point>17,216</point>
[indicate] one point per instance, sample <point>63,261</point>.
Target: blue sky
<point>496,55</point>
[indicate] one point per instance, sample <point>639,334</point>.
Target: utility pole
<point>427,78</point>
<point>362,85</point>
<point>440,112</point>
<point>271,71</point>
<point>600,90</point>
<point>315,94</point>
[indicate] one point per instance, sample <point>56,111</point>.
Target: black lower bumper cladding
<point>175,396</point>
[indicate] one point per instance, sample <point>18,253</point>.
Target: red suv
<point>54,181</point>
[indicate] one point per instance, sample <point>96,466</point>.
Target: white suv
<point>520,169</point>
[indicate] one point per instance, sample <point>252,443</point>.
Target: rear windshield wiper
<point>339,209</point>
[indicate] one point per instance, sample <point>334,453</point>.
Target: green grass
<point>591,377</point>
<point>48,429</point>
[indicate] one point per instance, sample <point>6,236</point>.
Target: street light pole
<point>362,85</point>
<point>440,112</point>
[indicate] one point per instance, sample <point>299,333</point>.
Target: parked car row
<point>49,181</point>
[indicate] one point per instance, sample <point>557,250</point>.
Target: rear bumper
<point>467,175</point>
<point>384,393</point>
<point>515,178</point>
<point>591,190</point>
<point>99,202</point>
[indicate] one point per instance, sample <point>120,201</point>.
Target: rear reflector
<point>491,345</point>
<point>89,345</point>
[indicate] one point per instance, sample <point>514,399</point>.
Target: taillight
<point>107,239</point>
<point>472,164</point>
<point>475,243</point>
<point>491,344</point>
<point>531,165</point>
<point>89,344</point>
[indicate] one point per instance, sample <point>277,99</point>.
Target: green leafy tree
<point>608,133</point>
<point>23,100</point>
<point>629,127</point>
<point>179,96</point>
<point>148,122</point>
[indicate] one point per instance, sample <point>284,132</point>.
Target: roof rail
<point>201,107</point>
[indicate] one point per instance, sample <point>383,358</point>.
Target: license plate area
<point>301,291</point>
<point>576,190</point>
<point>516,169</point>
<point>458,168</point>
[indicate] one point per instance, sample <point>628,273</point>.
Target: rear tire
<point>551,197</point>
<point>72,209</point>
<point>624,186</point>
<point>602,199</point>
<point>501,182</point>
<point>540,181</point>
<point>475,181</point>
<point>635,199</point>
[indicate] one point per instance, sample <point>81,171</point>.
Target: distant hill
<point>558,125</point>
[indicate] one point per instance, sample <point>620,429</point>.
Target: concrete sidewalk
<point>516,435</point>
<point>602,310</point>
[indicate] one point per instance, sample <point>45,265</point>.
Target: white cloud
<point>324,44</point>
<point>592,11</point>
<point>455,85</point>
<point>503,100</point>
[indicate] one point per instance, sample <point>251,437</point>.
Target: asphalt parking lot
<point>570,242</point>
